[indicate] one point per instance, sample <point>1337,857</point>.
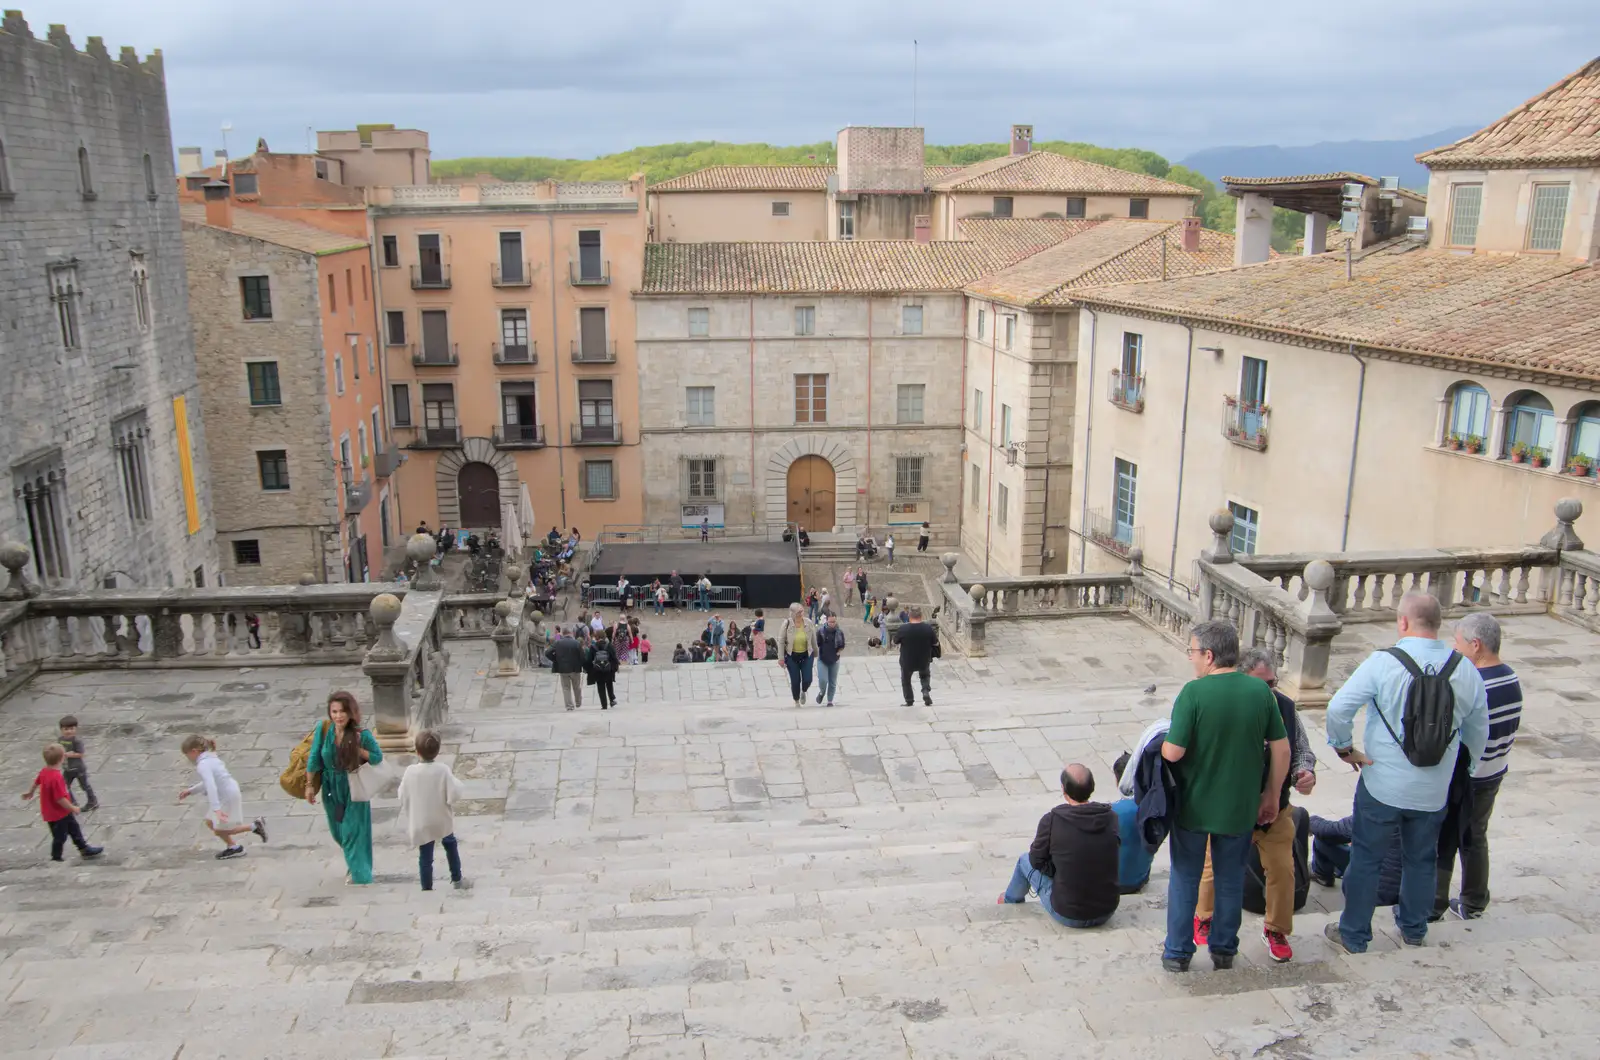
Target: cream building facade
<point>509,340</point>
<point>1438,391</point>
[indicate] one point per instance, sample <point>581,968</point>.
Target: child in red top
<point>57,807</point>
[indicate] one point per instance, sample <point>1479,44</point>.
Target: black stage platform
<point>768,574</point>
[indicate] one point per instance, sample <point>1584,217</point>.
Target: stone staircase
<point>711,873</point>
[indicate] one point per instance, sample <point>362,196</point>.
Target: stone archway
<point>447,477</point>
<point>844,472</point>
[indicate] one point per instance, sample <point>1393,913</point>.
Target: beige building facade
<point>509,339</point>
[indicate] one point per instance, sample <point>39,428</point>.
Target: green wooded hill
<point>665,161</point>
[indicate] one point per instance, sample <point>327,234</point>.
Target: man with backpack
<point>602,665</point>
<point>1425,704</point>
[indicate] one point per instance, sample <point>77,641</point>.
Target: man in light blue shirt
<point>1392,792</point>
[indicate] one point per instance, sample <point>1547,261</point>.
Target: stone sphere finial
<point>949,559</point>
<point>514,574</point>
<point>1564,536</point>
<point>14,557</point>
<point>1568,509</point>
<point>385,610</point>
<point>307,579</point>
<point>977,592</point>
<point>1135,561</point>
<point>1319,575</point>
<point>421,548</point>
<point>503,609</point>
<point>1221,522</point>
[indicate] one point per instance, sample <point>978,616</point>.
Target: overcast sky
<point>510,77</point>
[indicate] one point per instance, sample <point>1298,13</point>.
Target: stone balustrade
<point>1576,595</point>
<point>1051,596</point>
<point>406,666</point>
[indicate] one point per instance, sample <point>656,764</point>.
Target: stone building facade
<point>100,415</point>
<point>287,347</point>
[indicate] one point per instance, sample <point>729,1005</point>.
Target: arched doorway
<point>811,494</point>
<point>478,486</point>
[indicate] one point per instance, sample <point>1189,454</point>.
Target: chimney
<point>922,225</point>
<point>1191,235</point>
<point>220,158</point>
<point>1021,139</point>
<point>219,205</point>
<point>189,161</point>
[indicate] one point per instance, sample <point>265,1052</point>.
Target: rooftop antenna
<point>227,127</point>
<point>913,82</point>
<point>308,139</point>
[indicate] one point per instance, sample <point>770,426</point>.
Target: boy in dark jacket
<point>1072,864</point>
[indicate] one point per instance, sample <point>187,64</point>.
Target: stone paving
<point>709,872</point>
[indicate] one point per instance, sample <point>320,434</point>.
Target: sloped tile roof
<point>1014,238</point>
<point>1047,172</point>
<point>1559,126</point>
<point>1304,178</point>
<point>268,229</point>
<point>868,266</point>
<point>772,178</point>
<point>1525,312</point>
<point>1109,252</point>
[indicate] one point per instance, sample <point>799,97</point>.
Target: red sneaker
<point>1202,932</point>
<point>1277,946</point>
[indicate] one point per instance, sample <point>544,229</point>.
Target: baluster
<point>1522,584</point>
<point>1280,640</point>
<point>1359,603</point>
<point>1504,592</point>
<point>1581,584</point>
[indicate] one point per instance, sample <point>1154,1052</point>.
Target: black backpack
<point>1430,711</point>
<point>602,660</point>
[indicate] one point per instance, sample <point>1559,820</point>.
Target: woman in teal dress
<point>339,747</point>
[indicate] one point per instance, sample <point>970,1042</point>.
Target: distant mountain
<point>1374,158</point>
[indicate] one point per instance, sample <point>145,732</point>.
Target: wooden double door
<point>811,494</point>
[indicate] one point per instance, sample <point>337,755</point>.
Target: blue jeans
<point>1025,876</point>
<point>1229,854</point>
<point>425,861</point>
<point>1372,832</point>
<point>702,601</point>
<point>827,679</point>
<point>799,667</point>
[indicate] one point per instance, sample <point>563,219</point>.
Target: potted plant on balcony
<point>1474,443</point>
<point>1581,465</point>
<point>1539,457</point>
<point>1455,441</point>
<point>1519,452</point>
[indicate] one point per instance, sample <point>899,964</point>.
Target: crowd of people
<point>1215,782</point>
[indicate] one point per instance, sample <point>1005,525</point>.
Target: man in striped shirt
<point>1478,638</point>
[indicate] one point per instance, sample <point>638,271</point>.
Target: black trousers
<point>1474,861</point>
<point>63,830</point>
<point>906,670</point>
<point>606,686</point>
<point>83,782</point>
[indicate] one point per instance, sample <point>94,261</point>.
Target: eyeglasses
<point>1195,651</point>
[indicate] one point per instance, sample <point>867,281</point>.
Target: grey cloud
<point>498,77</point>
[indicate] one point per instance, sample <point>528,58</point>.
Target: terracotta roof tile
<point>291,234</point>
<point>1014,238</point>
<point>1525,312</point>
<point>1559,126</point>
<point>856,265</point>
<point>772,178</point>
<point>1304,178</point>
<point>1048,172</point>
<point>1108,252</point>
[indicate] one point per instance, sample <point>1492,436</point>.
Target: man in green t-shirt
<point>1219,722</point>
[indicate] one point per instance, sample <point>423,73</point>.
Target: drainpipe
<point>1183,449</point>
<point>1355,445</point>
<point>988,493</point>
<point>753,417</point>
<point>868,521</point>
<point>1088,448</point>
<point>961,448</point>
<point>555,358</point>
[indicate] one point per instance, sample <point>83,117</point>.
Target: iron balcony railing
<point>597,434</point>
<point>513,353</point>
<point>595,275</point>
<point>594,353</point>
<point>437,438</point>
<point>1126,390</point>
<point>518,275</point>
<point>518,435</point>
<point>430,277</point>
<point>446,355</point>
<point>1111,534</point>
<point>1245,422</point>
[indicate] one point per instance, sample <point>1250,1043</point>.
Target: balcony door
<point>511,257</point>
<point>1252,395</point>
<point>430,259</point>
<point>592,334</point>
<point>435,336</point>
<point>590,266</point>
<point>1122,509</point>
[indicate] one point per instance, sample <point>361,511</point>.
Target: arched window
<point>1586,434</point>
<point>1530,422</point>
<point>149,177</point>
<point>1469,413</point>
<point>5,174</point>
<point>85,178</point>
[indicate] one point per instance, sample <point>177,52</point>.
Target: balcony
<point>385,462</point>
<point>430,277</point>
<point>1245,422</point>
<point>436,356</point>
<point>1126,391</point>
<point>594,274</point>
<point>527,353</point>
<point>593,353</point>
<point>597,434</point>
<point>518,436</point>
<point>357,495</point>
<point>520,276</point>
<point>437,438</point>
<point>1111,534</point>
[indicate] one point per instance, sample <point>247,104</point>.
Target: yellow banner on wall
<point>191,503</point>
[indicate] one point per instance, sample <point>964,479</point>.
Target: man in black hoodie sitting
<point>1072,864</point>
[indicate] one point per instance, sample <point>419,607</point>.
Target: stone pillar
<point>1555,584</point>
<point>505,640</point>
<point>1252,229</point>
<point>166,634</point>
<point>1221,550</point>
<point>388,666</point>
<point>14,557</point>
<point>420,550</point>
<point>1558,455</point>
<point>978,620</point>
<point>1441,421</point>
<point>296,623</point>
<point>1316,233</point>
<point>1305,667</point>
<point>1494,445</point>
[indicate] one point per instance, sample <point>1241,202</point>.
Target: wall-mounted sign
<point>696,515</point>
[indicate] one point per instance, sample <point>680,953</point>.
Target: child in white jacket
<point>427,788</point>
<point>226,817</point>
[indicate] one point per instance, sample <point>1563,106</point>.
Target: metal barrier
<point>721,597</point>
<point>656,533</point>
